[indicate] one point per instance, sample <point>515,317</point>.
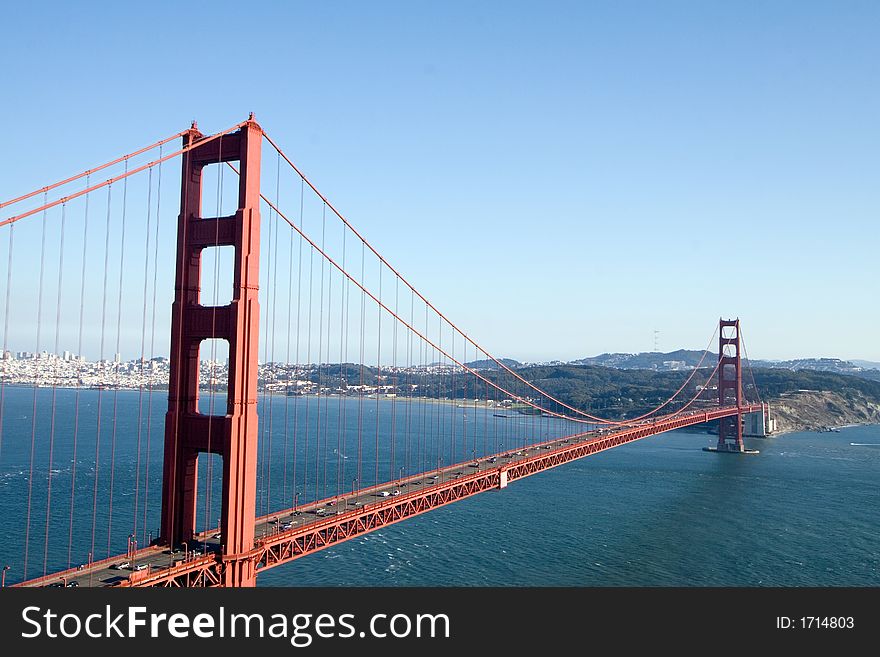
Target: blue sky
<point>561,179</point>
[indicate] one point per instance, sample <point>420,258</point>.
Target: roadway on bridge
<point>114,570</point>
<point>111,571</point>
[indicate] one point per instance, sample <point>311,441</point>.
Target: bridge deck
<point>289,534</point>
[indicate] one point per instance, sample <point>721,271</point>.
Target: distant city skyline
<point>561,179</point>
<point>214,360</point>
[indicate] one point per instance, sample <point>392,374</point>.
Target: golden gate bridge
<point>379,406</point>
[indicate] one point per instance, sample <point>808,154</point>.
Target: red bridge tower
<point>730,431</point>
<point>188,432</point>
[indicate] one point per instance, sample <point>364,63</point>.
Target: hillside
<point>800,400</point>
<point>809,409</point>
<point>684,359</point>
<point>803,399</point>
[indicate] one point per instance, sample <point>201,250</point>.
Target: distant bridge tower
<point>188,432</point>
<point>730,430</point>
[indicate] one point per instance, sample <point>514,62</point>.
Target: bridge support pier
<point>188,432</point>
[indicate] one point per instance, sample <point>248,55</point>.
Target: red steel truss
<point>287,546</point>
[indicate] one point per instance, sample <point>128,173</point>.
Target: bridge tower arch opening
<point>188,432</point>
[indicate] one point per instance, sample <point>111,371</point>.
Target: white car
<point>140,566</point>
<point>384,493</point>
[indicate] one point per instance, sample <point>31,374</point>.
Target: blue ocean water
<point>309,448</point>
<point>659,512</point>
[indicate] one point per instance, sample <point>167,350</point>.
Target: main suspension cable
<point>455,328</point>
<point>89,172</point>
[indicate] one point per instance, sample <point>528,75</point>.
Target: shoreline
<point>463,404</point>
<point>788,430</point>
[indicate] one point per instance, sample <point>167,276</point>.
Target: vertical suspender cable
<point>54,387</point>
<point>452,404</point>
<point>394,374</point>
<point>137,470</point>
<point>361,387</point>
<point>284,497</point>
<point>272,295</point>
<point>494,418</point>
<point>79,355</point>
<point>6,331</point>
<point>320,354</point>
<point>101,371</point>
<point>476,395</point>
<point>378,376</point>
<point>36,385</point>
<point>427,408</point>
<point>298,331</point>
<point>264,426</point>
<point>117,362</point>
<point>440,360</point>
<point>308,368</point>
<point>327,374</point>
<point>152,346</point>
<point>409,368</point>
<point>343,378</point>
<point>486,423</point>
<point>6,328</point>
<point>466,421</point>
